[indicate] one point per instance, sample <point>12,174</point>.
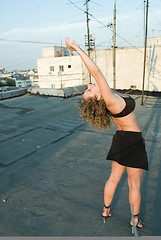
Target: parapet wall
<point>13,93</point>
<point>65,92</point>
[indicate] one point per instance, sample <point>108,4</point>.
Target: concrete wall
<point>66,92</point>
<point>13,93</point>
<point>129,67</point>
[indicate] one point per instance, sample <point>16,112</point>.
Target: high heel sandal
<point>108,213</point>
<point>139,222</point>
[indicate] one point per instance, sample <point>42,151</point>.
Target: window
<point>61,68</point>
<point>51,68</point>
<point>69,66</point>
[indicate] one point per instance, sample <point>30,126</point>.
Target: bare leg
<point>134,181</point>
<point>110,186</point>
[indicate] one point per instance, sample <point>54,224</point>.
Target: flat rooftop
<point>53,169</point>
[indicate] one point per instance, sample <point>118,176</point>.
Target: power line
<point>112,31</point>
<point>136,16</point>
<point>106,26</point>
<point>75,2</point>
<point>76,6</point>
<point>25,41</point>
<point>39,42</point>
<point>96,3</point>
<point>155,16</point>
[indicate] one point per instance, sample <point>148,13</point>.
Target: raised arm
<point>106,92</point>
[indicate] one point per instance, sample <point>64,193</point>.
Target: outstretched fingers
<point>71,46</point>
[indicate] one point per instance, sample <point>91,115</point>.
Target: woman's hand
<point>72,46</point>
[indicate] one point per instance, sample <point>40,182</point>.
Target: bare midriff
<point>127,123</point>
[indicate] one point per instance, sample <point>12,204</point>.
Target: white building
<point>22,83</point>
<point>58,69</point>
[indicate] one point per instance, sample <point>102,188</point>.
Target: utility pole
<point>144,14</point>
<point>146,28</point>
<point>114,47</point>
<point>88,27</point>
<point>88,35</point>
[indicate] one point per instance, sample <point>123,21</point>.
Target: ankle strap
<point>107,206</point>
<point>136,215</point>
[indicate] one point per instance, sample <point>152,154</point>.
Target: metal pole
<point>144,15</point>
<point>146,28</point>
<point>88,35</point>
<point>114,48</point>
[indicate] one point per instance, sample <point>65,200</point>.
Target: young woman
<point>127,150</point>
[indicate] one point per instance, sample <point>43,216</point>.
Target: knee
<point>134,185</point>
<point>114,180</point>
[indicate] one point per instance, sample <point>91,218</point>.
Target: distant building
<point>25,78</point>
<point>59,69</point>
<point>5,75</point>
<point>23,83</point>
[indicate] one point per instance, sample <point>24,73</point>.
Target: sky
<point>27,26</point>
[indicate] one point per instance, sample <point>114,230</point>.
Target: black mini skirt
<point>128,149</point>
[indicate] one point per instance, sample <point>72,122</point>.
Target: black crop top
<point>129,107</point>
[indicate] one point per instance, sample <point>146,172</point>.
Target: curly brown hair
<point>95,113</point>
